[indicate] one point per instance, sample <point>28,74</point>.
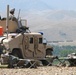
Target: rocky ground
<point>40,71</point>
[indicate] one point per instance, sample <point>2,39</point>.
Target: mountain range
<point>55,24</point>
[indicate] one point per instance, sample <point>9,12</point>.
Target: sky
<point>38,15</point>
<point>62,4</point>
<point>26,5</point>
<point>55,4</point>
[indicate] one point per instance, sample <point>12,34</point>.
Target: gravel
<point>49,70</point>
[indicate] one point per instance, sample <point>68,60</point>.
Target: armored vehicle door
<point>33,46</point>
<point>39,49</point>
<point>28,46</point>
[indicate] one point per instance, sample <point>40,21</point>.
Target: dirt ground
<point>40,71</point>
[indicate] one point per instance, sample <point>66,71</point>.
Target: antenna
<point>18,14</point>
<point>7,20</point>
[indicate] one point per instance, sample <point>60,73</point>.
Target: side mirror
<point>44,41</point>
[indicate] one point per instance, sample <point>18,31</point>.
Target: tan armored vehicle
<point>22,43</point>
<point>19,41</point>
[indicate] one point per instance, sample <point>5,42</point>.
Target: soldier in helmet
<point>12,11</point>
<point>12,17</point>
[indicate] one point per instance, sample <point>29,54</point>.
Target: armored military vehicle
<point>69,60</point>
<point>17,40</point>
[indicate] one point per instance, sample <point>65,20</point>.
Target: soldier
<point>12,17</point>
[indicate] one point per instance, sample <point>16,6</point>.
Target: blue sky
<point>26,5</point>
<point>55,4</point>
<point>62,4</point>
<point>43,18</point>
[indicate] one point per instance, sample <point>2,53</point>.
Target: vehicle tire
<point>67,63</point>
<point>48,52</point>
<point>44,62</point>
<point>17,53</point>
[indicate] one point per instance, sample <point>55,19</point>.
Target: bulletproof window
<point>31,40</point>
<point>40,40</point>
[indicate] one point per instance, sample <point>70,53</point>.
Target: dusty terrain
<point>40,71</point>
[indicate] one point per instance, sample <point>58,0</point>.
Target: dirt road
<point>40,71</point>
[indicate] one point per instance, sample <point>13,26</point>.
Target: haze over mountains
<point>55,24</point>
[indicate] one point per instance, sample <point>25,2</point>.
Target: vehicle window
<point>40,40</point>
<point>31,40</point>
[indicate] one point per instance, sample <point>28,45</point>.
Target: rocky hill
<point>55,24</point>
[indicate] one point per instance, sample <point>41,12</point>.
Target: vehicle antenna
<point>7,20</point>
<point>18,14</point>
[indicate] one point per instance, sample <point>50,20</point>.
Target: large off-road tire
<point>67,63</point>
<point>48,52</point>
<point>17,53</point>
<point>44,62</point>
